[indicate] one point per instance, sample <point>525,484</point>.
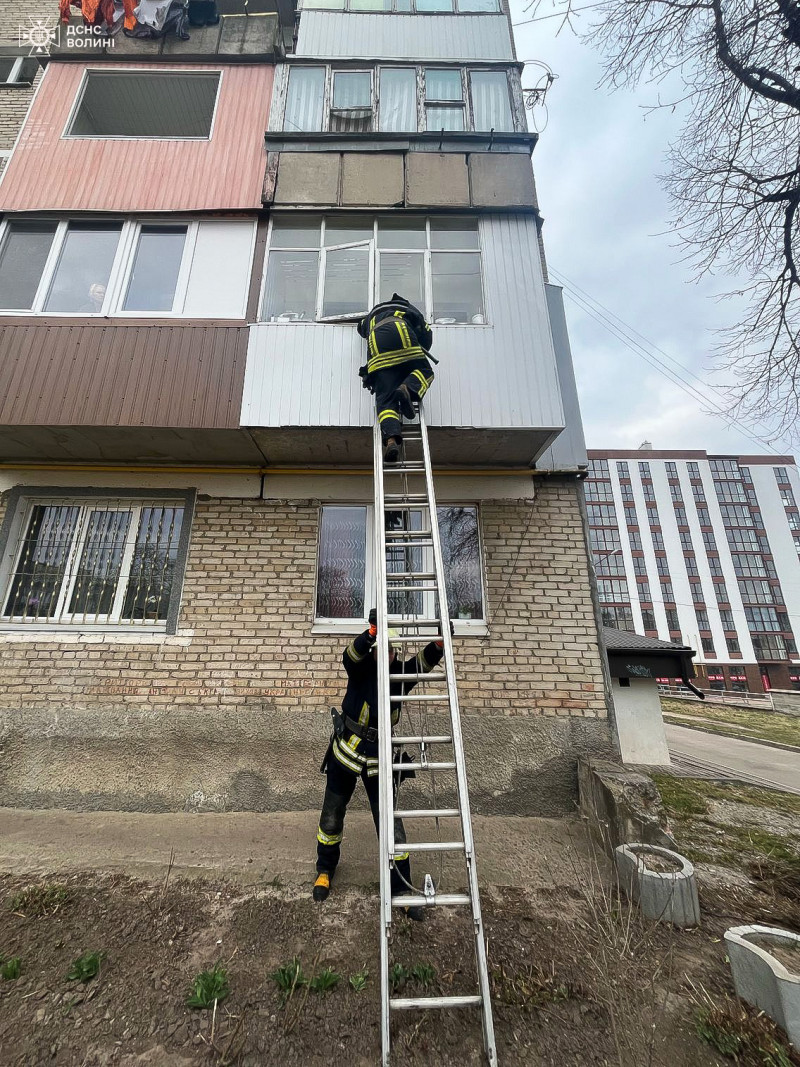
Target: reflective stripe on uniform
<point>348,758</point>
<point>355,656</point>
<point>423,382</point>
<point>401,855</point>
<point>328,839</point>
<point>397,355</point>
<point>423,662</point>
<point>387,413</point>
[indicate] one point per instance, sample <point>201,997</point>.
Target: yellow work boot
<point>322,887</point>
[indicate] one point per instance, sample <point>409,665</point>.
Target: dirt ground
<point>578,979</point>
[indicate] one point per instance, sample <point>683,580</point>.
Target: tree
<point>734,173</point>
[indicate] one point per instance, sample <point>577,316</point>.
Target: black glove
<point>372,618</point>
<point>440,640</point>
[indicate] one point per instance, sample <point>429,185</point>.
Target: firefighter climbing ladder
<point>427,587</point>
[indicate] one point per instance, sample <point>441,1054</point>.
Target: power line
<point>618,327</point>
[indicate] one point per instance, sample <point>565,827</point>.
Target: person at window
<point>353,751</point>
<point>96,298</point>
<point>397,370</point>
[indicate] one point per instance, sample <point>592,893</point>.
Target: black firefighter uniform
<point>354,753</point>
<point>398,344</point>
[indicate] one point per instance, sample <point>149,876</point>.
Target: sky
<point>607,230</point>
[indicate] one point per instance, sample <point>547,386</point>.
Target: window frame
<point>374,270</point>
<point>120,275</point>
<point>20,504</point>
<point>394,9</point>
<point>73,111</point>
<point>14,81</point>
<point>325,625</point>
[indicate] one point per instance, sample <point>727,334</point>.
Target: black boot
<point>391,451</point>
<point>405,401</point>
<point>322,887</point>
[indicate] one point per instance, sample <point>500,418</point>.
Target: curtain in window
<point>304,99</point>
<point>351,89</point>
<point>490,102</point>
<point>342,563</point>
<point>398,100</point>
<point>42,562</point>
<point>443,84</point>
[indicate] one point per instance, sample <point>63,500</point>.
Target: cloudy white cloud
<point>608,230</point>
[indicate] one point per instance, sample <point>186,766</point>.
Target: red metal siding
<point>51,172</point>
<point>188,376</point>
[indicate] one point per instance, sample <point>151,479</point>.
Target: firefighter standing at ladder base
<point>353,751</point>
<point>397,368</point>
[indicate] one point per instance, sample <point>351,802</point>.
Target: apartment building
<point>705,550</point>
<point>185,446</point>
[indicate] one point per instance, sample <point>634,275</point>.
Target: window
<point>666,591</point>
<point>345,584</point>
<point>726,617</point>
<point>707,644</point>
<point>662,566</point>
<point>408,6</point>
<point>781,475</point>
<point>709,541</point>
<point>672,619</point>
<point>18,70</point>
<point>721,591</point>
<point>754,592</point>
<point>610,564</point>
<point>680,515</point>
<point>734,649</point>
<point>619,617</point>
<point>699,494</point>
<point>398,99</point>
<point>725,468</point>
<point>787,497</point>
<point>491,106</point>
<point>598,468</point>
<point>686,540</point>
<point>635,539</point>
<point>793,519</point>
<point>675,493</point>
<point>697,592</point>
<point>630,516</point>
<point>648,619</point>
<point>658,540</point>
<point>339,266</point>
<point>94,562</point>
<point>598,491</point>
<point>622,469</point>
<point>150,104</point>
<point>643,590</point>
<point>702,619</point>
<point>715,566</point>
<point>739,538</point>
<point>652,514</point>
<point>691,566</point>
<point>605,540</point>
<point>602,515</point>
<point>732,491</point>
<point>769,646</point>
<point>749,566</point>
<point>760,619</point>
<point>322,98</point>
<point>736,515</point>
<point>703,516</point>
<point>612,589</point>
<point>93,267</point>
<point>649,492</point>
<point>644,469</point>
<point>794,681</point>
<point>693,469</point>
<point>716,681</point>
<point>671,469</point>
<point>639,565</point>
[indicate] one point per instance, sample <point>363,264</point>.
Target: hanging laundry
<point>158,18</point>
<point>101,12</point>
<point>152,13</point>
<point>203,13</point>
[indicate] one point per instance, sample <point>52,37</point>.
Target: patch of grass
<point>85,967</point>
<point>749,723</point>
<point>37,900</point>
<point>359,980</point>
<point>325,981</point>
<point>424,974</point>
<point>687,797</point>
<point>737,1035</point>
<point>529,987</point>
<point>398,976</point>
<point>10,969</point>
<point>207,987</point>
<point>288,977</point>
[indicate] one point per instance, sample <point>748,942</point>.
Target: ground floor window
<point>93,562</point>
<point>345,564</point>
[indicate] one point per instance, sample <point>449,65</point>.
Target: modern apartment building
<point>705,550</point>
<point>185,446</point>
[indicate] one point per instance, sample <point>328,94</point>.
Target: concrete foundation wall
<point>231,713</point>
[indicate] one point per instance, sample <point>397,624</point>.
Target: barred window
<point>94,562</point>
<point>345,582</point>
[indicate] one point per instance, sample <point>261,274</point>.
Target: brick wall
<point>14,103</point>
<point>252,664</point>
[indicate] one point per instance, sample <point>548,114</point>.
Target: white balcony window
<point>23,256</point>
<point>156,268</point>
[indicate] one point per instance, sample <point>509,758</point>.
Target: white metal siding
<point>342,34</point>
<point>500,375</point>
<point>219,277</point>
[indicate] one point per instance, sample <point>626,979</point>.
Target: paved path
<point>254,849</point>
<point>729,757</point>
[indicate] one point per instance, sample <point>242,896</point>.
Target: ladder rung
<point>409,640</point>
<point>414,534</point>
<point>441,697</point>
<point>412,588</point>
<point>414,900</point>
<point>412,437</point>
<point>414,766</point>
<point>421,575</point>
<point>402,468</point>
<point>430,846</point>
<point>430,677</point>
<point>407,1003</point>
<point>409,544</point>
<point>439,739</point>
<point>398,620</point>
<point>403,498</point>
<point>427,813</point>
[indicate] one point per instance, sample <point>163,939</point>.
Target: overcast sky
<point>607,231</point>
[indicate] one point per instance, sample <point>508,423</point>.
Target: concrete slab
<point>308,178</point>
<point>437,178</point>
<point>249,848</point>
<point>501,179</point>
<point>372,178</point>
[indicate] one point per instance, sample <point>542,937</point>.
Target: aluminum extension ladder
<point>424,585</point>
